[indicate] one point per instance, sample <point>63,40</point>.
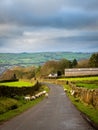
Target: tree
<point>8,75</point>
<point>83,63</point>
<point>93,61</point>
<point>64,63</point>
<point>74,63</point>
<point>49,67</point>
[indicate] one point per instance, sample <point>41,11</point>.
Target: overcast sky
<point>48,25</point>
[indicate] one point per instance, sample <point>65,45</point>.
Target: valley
<point>8,60</point>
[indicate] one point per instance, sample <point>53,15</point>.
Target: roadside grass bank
<point>21,107</point>
<point>88,110</point>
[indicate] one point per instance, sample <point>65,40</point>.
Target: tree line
<point>53,66</point>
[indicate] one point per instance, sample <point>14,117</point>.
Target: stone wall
<point>88,96</point>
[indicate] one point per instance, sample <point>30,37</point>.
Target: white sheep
<point>33,98</point>
<point>65,90</point>
<point>44,92</point>
<point>72,92</point>
<point>46,95</point>
<point>27,98</point>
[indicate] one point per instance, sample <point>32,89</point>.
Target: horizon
<point>46,52</point>
<point>48,26</point>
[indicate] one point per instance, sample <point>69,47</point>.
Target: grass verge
<point>10,107</point>
<point>88,110</point>
<point>11,113</point>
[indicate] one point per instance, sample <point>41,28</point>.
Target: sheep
<point>65,90</point>
<point>44,92</point>
<point>27,98</point>
<point>37,95</point>
<point>33,98</point>
<point>46,95</point>
<point>40,94</point>
<point>72,92</point>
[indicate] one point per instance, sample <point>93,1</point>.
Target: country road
<point>54,113</point>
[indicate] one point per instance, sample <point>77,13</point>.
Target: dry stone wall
<point>88,96</point>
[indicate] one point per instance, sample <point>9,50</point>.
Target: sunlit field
<point>18,84</point>
<point>80,78</point>
<point>87,82</point>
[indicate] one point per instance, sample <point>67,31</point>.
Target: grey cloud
<point>33,14</point>
<point>86,4</point>
<point>78,39</point>
<point>62,19</point>
<point>21,16</point>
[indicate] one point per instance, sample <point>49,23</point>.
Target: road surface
<point>54,113</point>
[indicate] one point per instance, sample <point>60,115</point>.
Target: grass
<point>18,84</point>
<point>87,82</point>
<point>7,104</point>
<point>10,107</point>
<point>89,110</point>
<point>11,113</point>
<point>80,78</point>
<point>89,85</point>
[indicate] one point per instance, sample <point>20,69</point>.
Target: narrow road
<point>53,113</point>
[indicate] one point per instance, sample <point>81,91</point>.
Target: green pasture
<point>18,84</point>
<point>80,78</point>
<point>87,82</point>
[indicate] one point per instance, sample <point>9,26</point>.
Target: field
<point>17,84</point>
<point>87,82</point>
<point>8,60</point>
<point>80,78</point>
<point>39,58</point>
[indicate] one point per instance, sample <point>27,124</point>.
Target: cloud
<point>48,13</point>
<point>78,39</point>
<point>40,25</point>
<point>51,40</point>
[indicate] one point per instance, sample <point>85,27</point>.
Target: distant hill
<point>8,60</point>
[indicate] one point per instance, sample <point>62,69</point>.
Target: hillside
<point>8,60</point>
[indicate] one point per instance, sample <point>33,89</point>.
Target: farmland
<point>8,60</point>
<point>18,84</point>
<point>86,82</point>
<point>80,78</point>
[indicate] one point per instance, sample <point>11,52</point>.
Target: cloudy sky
<point>48,25</point>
